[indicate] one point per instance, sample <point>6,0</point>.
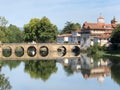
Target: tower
<point>100,19</point>
<point>114,20</point>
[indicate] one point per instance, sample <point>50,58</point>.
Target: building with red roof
<point>74,37</point>
<point>98,33</point>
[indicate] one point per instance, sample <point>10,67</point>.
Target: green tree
<point>40,30</point>
<point>69,27</point>
<point>11,33</point>
<point>3,29</point>
<point>3,37</point>
<point>4,83</point>
<point>115,37</point>
<point>96,52</point>
<point>15,35</point>
<point>3,21</point>
<point>68,70</point>
<point>11,64</point>
<point>115,73</point>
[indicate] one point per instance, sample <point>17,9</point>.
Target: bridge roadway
<point>38,51</point>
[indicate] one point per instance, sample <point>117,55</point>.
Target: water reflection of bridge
<point>27,51</point>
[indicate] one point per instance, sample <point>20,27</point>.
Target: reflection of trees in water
<point>4,83</point>
<point>40,69</point>
<point>68,70</point>
<point>114,59</point>
<point>115,73</point>
<point>115,68</point>
<point>11,64</point>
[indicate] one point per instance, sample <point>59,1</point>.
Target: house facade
<point>97,33</point>
<point>64,38</point>
<point>74,37</point>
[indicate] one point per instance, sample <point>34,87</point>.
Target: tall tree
<point>40,30</point>
<point>3,29</point>
<point>115,37</point>
<point>15,35</point>
<point>3,21</point>
<point>3,37</point>
<point>69,27</point>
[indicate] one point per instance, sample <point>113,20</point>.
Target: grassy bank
<point>115,53</point>
<point>98,51</point>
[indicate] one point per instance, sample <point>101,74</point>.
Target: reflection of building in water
<point>88,62</point>
<point>94,69</point>
<point>100,73</point>
<point>88,67</point>
<point>74,64</point>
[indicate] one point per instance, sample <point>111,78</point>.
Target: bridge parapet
<point>38,51</point>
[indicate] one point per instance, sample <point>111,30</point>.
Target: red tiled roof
<point>65,35</point>
<point>104,36</point>
<point>98,26</point>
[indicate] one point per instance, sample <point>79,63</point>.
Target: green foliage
<point>11,34</point>
<point>115,73</point>
<point>40,30</point>
<point>40,69</point>
<point>68,70</point>
<point>3,28</point>
<point>15,35</point>
<point>69,27</point>
<point>95,51</point>
<point>3,21</point>
<point>115,37</point>
<point>4,83</point>
<point>11,64</point>
<point>3,34</point>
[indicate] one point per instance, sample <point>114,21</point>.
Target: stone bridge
<point>38,51</point>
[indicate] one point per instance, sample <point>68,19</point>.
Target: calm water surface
<point>74,74</point>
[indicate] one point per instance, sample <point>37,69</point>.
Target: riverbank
<point>114,53</point>
<point>98,51</point>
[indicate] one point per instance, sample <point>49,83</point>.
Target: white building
<point>64,38</point>
<point>74,37</point>
<point>98,33</point>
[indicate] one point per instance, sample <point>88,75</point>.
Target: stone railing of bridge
<point>36,51</point>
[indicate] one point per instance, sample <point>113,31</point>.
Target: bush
<point>95,51</point>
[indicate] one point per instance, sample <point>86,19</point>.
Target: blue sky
<point>19,12</point>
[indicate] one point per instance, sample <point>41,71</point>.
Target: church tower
<point>114,20</point>
<point>100,19</point>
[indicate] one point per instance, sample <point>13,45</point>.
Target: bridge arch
<point>31,51</point>
<point>7,51</point>
<point>61,51</point>
<point>19,51</point>
<point>75,50</point>
<point>44,51</point>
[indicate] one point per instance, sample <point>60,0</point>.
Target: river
<point>82,73</point>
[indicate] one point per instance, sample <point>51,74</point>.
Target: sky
<point>19,12</point>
